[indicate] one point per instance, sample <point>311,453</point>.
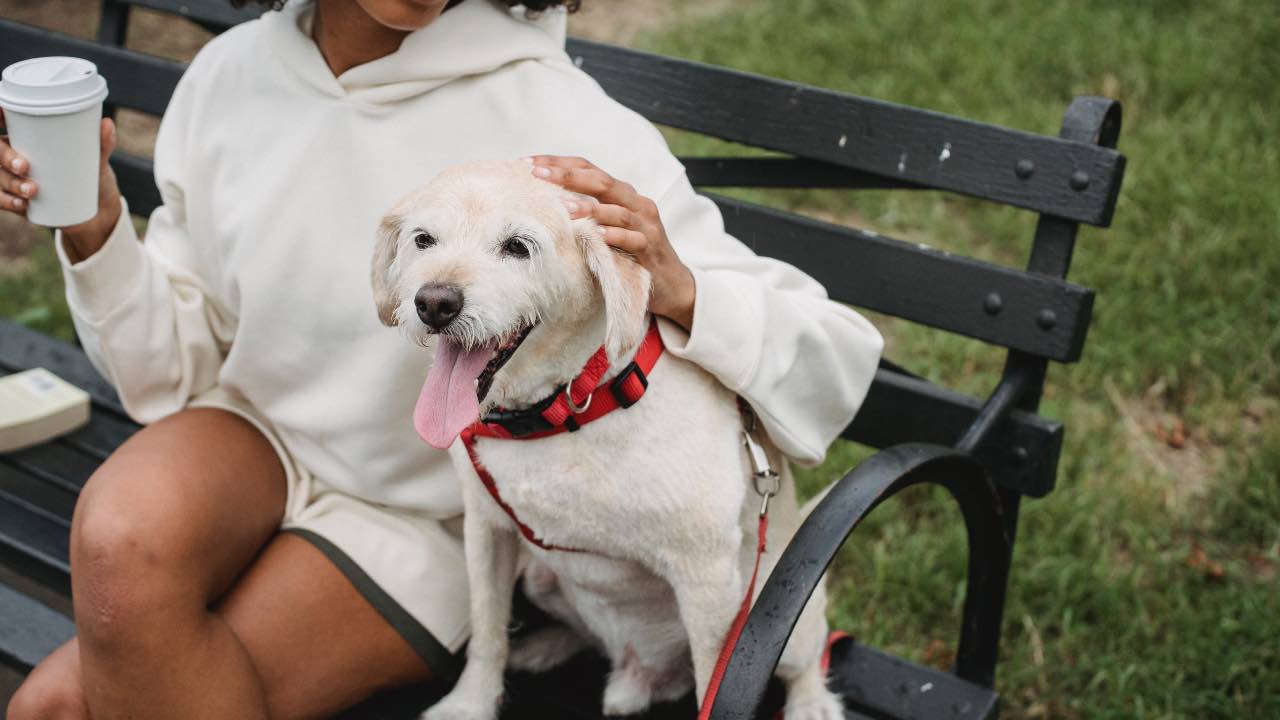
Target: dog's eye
<point>423,240</point>
<point>515,247</point>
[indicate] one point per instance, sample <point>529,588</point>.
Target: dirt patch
<point>74,17</point>
<point>623,21</point>
<point>17,237</point>
<point>1181,461</point>
<point>166,35</point>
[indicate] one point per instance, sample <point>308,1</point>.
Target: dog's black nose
<point>438,305</point>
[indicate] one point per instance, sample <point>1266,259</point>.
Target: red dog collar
<point>583,401</point>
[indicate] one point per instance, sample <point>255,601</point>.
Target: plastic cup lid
<point>51,85</point>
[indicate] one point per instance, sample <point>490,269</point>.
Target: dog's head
<point>485,259</point>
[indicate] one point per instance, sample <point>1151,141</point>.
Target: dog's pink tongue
<point>448,400</point>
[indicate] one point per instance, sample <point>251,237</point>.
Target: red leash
<point>735,630</point>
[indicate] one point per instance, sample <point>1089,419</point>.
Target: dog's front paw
<point>815,705</point>
<point>454,707</point>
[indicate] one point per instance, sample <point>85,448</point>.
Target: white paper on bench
<point>36,406</point>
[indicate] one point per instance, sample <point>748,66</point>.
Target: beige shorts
<point>409,567</point>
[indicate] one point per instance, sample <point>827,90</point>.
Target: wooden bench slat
<point>147,81</point>
<point>36,486</point>
<point>921,284</point>
<point>34,494</point>
<point>884,686</point>
<point>29,631</point>
<point>98,439</point>
<point>919,146</point>
<point>54,463</point>
<point>34,542</point>
<point>783,173</point>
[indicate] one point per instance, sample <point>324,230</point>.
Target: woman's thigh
<point>318,645</point>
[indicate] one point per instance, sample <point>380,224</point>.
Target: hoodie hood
<point>472,38</point>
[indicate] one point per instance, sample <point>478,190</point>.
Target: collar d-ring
<point>568,398</point>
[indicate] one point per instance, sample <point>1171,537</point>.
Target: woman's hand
<point>629,222</point>
<point>17,189</point>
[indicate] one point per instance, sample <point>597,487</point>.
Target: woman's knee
<point>166,524</point>
<point>126,565</point>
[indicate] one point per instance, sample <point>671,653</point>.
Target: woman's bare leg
<point>162,531</point>
<point>316,645</point>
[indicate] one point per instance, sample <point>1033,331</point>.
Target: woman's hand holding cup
<point>17,190</point>
<point>53,165</point>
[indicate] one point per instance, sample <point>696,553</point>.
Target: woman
<point>244,332</point>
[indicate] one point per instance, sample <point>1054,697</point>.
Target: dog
<point>638,532</point>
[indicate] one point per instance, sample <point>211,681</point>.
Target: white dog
<point>640,530</point>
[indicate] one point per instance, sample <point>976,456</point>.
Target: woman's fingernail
<point>18,203</point>
<point>16,164</point>
<point>542,172</point>
<point>571,206</point>
<point>25,189</point>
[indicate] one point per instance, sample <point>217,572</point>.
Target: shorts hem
<point>444,665</point>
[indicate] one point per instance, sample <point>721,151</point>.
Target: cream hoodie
<point>274,173</point>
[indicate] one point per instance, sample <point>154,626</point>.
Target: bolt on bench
<point>988,453</point>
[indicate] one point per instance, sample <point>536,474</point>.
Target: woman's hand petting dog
<point>629,222</point>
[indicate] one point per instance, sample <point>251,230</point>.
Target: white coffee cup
<point>53,107</point>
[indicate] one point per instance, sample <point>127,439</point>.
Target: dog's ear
<point>624,284</point>
<point>383,270</point>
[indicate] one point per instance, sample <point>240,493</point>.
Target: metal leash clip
<point>761,470</point>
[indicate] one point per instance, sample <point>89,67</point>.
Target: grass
<point>1146,585</point>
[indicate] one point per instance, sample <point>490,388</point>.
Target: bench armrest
<point>852,498</point>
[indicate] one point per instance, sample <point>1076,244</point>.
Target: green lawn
<point>1146,585</point>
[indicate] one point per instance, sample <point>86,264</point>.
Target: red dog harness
<point>581,402</point>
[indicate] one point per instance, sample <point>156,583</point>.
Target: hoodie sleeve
<point>143,312</point>
<point>768,331</point>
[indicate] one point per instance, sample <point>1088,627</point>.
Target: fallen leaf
<point>1199,561</point>
<point>1178,435</point>
<point>938,654</point>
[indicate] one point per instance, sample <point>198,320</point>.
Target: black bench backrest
<point>833,140</point>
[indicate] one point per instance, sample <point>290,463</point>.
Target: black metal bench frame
<point>987,453</point>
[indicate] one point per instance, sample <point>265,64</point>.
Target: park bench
<point>988,453</point>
